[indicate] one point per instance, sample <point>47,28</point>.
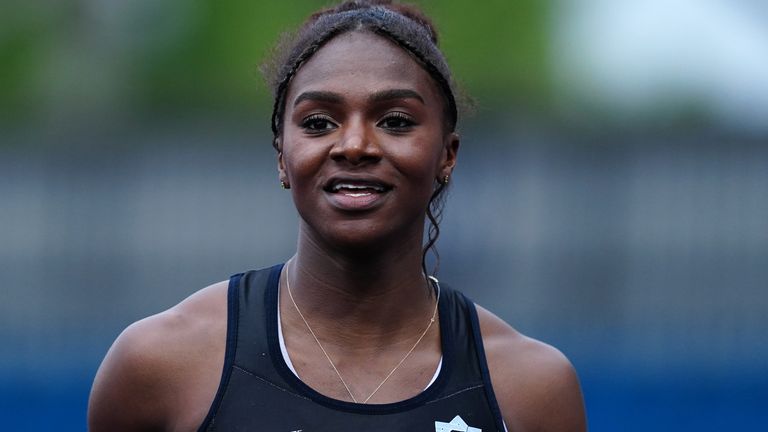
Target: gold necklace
<point>431,321</point>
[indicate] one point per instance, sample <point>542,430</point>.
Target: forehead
<point>360,62</point>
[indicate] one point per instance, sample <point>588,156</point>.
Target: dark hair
<point>406,26</point>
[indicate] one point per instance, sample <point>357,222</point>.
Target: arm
<point>163,371</point>
<point>535,384</point>
<point>128,392</point>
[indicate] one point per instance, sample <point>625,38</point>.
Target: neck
<point>376,289</point>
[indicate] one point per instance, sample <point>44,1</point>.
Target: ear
<point>281,172</point>
<point>450,153</point>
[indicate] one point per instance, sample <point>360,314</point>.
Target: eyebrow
<point>319,96</point>
<point>386,95</point>
<point>380,96</point>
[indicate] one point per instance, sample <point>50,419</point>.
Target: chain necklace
<point>431,321</point>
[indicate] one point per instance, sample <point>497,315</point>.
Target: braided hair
<point>404,25</point>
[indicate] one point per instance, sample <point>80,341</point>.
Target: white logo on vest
<point>456,425</point>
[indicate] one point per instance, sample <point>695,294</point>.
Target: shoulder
<point>163,365</point>
<point>535,384</point>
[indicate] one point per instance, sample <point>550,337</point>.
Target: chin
<point>363,237</point>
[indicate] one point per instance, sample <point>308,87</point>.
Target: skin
<point>361,108</point>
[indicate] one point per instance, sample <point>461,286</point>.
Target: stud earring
<point>446,179</point>
<point>284,185</point>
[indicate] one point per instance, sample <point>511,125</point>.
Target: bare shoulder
<point>163,371</point>
<point>535,384</point>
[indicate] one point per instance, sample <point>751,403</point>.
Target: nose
<point>357,144</point>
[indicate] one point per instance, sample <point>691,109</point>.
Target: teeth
<point>339,186</point>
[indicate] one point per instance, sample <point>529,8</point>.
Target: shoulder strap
<point>256,340</point>
<point>231,347</point>
<point>480,352</point>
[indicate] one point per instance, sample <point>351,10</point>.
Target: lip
<point>363,192</point>
<point>358,180</point>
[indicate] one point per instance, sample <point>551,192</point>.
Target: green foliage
<point>497,48</point>
<point>204,54</point>
<point>25,32</point>
<point>217,62</point>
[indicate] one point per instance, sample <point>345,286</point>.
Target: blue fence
<point>644,258</point>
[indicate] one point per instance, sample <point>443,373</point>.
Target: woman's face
<point>363,142</point>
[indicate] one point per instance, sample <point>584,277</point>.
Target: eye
<point>397,121</point>
<point>317,124</point>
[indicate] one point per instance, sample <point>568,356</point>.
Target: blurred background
<point>611,196</point>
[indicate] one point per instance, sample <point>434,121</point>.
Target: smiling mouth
<point>356,188</point>
<point>352,195</point>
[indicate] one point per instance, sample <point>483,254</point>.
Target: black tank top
<point>258,392</point>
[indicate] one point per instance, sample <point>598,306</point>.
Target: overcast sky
<point>640,57</point>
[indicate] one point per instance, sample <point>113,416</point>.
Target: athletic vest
<point>259,393</point>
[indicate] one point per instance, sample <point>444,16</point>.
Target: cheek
<point>419,160</point>
<point>301,159</point>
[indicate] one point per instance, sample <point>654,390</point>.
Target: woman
<point>349,334</point>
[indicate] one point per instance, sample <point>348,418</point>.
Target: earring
<point>445,180</point>
<point>284,185</point>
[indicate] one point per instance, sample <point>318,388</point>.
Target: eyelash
<point>397,115</point>
<point>310,123</point>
